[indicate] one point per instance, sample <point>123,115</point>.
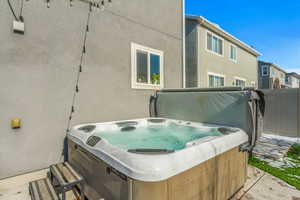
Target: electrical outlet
<point>18,27</point>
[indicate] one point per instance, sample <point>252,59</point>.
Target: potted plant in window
<point>155,79</point>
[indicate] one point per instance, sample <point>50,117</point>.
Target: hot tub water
<point>170,136</point>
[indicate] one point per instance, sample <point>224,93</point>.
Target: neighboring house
<point>292,80</point>
<point>270,76</point>
<point>133,48</point>
<point>215,58</point>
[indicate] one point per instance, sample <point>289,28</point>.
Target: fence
<point>282,114</point>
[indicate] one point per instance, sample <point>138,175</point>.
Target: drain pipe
<point>183,45</point>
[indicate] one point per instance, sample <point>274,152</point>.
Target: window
<point>287,80</point>
<point>253,84</point>
<point>233,53</point>
<point>215,80</point>
<point>264,70</point>
<point>214,44</point>
<point>240,82</point>
<point>147,67</point>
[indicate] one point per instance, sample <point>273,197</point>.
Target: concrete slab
<point>273,188</point>
<point>263,186</point>
<point>16,188</point>
<point>253,176</point>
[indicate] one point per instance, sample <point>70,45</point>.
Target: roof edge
<point>216,28</point>
<point>274,65</point>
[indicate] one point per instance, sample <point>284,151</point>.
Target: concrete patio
<point>263,186</point>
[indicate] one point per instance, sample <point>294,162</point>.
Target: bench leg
<point>82,191</point>
<point>63,196</point>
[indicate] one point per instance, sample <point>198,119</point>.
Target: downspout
<point>183,44</point>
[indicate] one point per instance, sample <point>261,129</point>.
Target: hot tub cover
<point>156,167</point>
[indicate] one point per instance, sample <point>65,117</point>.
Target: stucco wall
<point>295,82</point>
<point>191,54</point>
<point>245,67</point>
<point>38,69</point>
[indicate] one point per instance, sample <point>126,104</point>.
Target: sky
<point>271,26</point>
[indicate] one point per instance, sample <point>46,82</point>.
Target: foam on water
<point>169,136</point>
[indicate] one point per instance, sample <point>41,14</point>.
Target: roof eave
<point>206,23</point>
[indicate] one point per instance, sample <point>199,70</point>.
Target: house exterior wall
<point>207,62</point>
<point>267,82</point>
<point>264,82</point>
<point>38,71</point>
<point>294,82</point>
<point>245,67</point>
<point>191,47</point>
<point>277,74</point>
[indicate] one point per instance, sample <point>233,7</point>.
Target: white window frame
<point>262,70</point>
<point>239,79</point>
<point>233,60</point>
<point>211,51</point>
<point>134,84</point>
<point>215,74</point>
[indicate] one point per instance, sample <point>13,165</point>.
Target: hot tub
<point>158,159</point>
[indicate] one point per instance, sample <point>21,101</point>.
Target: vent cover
<point>93,140</point>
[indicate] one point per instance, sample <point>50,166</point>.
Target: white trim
<point>215,74</point>
<point>240,78</point>
<point>214,35</point>
<point>201,18</point>
<point>236,78</point>
<point>236,52</point>
<point>134,84</point>
<point>183,46</point>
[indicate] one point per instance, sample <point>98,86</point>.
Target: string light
<point>83,52</point>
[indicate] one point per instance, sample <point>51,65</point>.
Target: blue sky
<point>271,26</point>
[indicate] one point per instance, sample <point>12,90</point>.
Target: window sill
<point>146,87</point>
<point>212,52</point>
<point>232,60</point>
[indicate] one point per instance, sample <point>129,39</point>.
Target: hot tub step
<point>64,178</point>
<point>42,190</point>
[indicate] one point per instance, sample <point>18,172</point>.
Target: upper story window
<point>240,82</point>
<point>264,70</point>
<point>214,44</point>
<point>215,80</point>
<point>233,53</point>
<point>147,67</point>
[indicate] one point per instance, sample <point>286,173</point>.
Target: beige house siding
<point>294,82</point>
<point>268,81</point>
<point>245,67</point>
<point>277,74</point>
